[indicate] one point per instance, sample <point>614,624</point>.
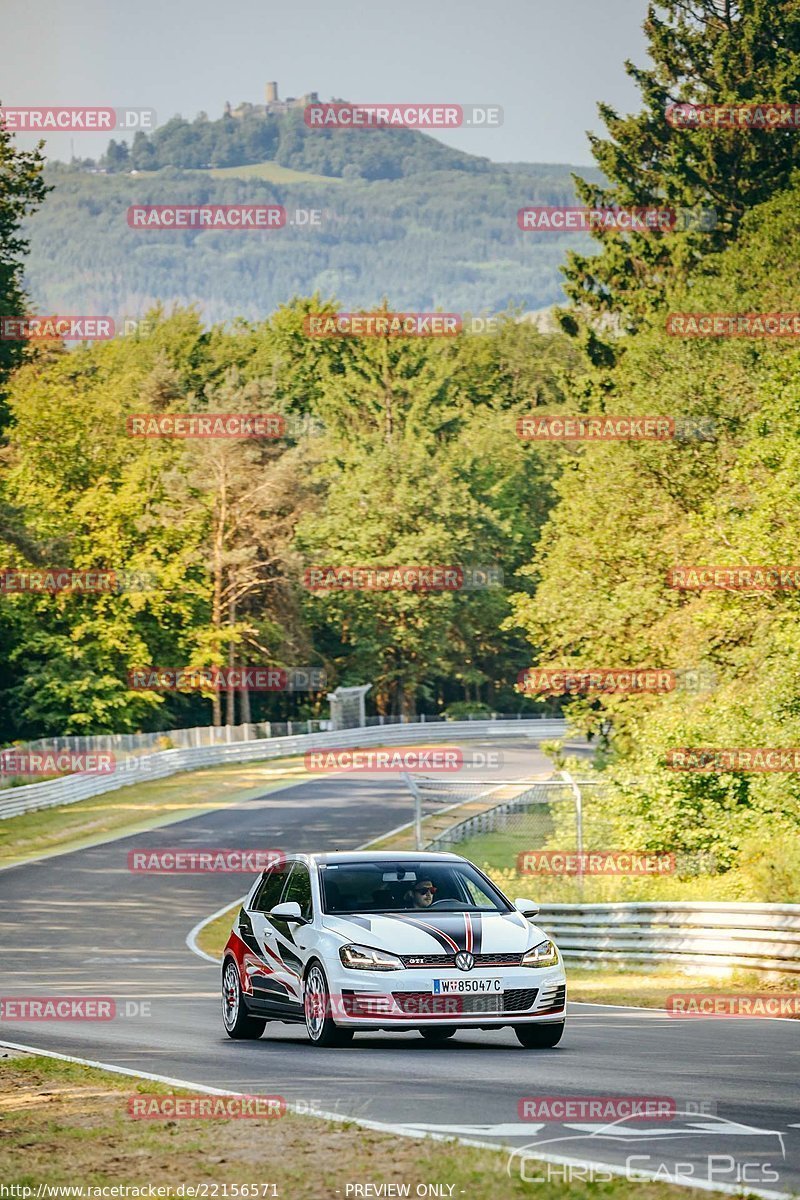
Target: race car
<point>379,941</point>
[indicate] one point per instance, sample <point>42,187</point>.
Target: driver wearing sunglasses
<point>421,895</point>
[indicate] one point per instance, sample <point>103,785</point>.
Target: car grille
<point>518,999</point>
<point>425,1004</point>
<point>448,960</point>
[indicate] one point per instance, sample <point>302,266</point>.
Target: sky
<point>545,62</point>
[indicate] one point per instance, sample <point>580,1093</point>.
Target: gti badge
<point>464,960</point>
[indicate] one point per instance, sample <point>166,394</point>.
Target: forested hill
<point>434,238</point>
<point>286,139</point>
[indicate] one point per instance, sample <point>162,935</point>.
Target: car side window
<point>269,893</point>
<point>478,896</point>
<point>299,890</point>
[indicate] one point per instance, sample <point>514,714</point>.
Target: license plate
<point>468,987</point>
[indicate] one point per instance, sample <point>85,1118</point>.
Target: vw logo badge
<point>464,960</point>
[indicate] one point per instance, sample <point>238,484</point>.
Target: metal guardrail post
<point>576,791</point>
<point>417,794</point>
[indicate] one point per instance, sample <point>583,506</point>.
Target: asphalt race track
<point>81,924</point>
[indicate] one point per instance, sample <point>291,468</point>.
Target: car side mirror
<point>290,911</point>
<point>528,908</point>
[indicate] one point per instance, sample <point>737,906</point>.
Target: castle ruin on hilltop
<point>273,106</point>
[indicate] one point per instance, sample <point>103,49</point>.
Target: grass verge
<point>64,1124</point>
<point>618,985</point>
<point>212,937</point>
<point>693,878</point>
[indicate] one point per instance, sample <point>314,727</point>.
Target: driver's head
<point>422,893</point>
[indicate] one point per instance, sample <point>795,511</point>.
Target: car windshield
<point>407,886</point>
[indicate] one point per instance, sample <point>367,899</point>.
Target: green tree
<point>704,52</point>
<point>422,466</point>
<point>117,157</point>
<point>22,190</point>
<point>629,512</point>
<point>97,498</point>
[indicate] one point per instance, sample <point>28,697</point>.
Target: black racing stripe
<point>287,933</point>
<point>245,932</point>
<point>364,922</point>
<point>515,918</point>
<point>441,936</point>
<point>267,985</point>
<point>477,932</point>
<point>288,956</point>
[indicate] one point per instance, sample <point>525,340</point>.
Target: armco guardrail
<point>764,937</point>
<point>217,735</point>
<point>143,768</point>
<point>540,791</point>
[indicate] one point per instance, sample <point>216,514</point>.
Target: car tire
<point>321,1028</point>
<point>539,1037</point>
<point>235,1017</point>
<point>440,1034</point>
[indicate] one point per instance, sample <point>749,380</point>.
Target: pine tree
<point>702,52</point>
<point>22,190</point>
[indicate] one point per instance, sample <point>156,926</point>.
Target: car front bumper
<point>380,1000</point>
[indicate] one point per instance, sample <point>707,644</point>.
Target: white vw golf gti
<point>421,941</point>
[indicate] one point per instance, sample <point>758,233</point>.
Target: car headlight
<point>543,955</point>
<point>367,958</point>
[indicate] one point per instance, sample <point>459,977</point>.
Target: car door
<point>273,988</point>
<point>295,942</point>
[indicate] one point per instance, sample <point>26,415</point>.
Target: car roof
<point>366,856</point>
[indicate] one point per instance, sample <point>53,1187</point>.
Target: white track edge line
<point>687,1017</point>
<point>192,935</point>
<point>400,1130</point>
